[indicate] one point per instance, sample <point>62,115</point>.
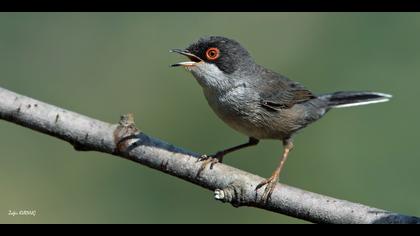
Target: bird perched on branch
<point>256,101</point>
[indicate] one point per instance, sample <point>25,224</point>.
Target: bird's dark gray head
<point>227,54</point>
<point>214,60</point>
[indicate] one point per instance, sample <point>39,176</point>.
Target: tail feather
<point>349,99</point>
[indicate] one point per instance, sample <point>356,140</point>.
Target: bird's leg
<point>218,157</point>
<point>271,182</point>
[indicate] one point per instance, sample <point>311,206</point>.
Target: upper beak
<point>194,59</point>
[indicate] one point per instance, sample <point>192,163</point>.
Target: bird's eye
<point>212,53</point>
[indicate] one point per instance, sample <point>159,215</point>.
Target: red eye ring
<point>212,54</point>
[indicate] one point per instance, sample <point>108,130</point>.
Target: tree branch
<point>229,184</point>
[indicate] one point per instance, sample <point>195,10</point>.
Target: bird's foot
<point>211,159</point>
<point>270,185</point>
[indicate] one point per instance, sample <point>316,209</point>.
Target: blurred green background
<point>107,64</point>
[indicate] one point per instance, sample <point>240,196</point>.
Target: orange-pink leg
<point>271,182</point>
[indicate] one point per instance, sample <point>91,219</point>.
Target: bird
<point>258,102</point>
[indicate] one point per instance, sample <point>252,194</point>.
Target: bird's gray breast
<point>238,107</point>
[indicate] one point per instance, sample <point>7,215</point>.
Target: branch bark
<point>229,184</point>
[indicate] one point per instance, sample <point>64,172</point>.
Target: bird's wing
<point>278,92</point>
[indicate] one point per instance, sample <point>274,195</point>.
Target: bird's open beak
<point>193,58</point>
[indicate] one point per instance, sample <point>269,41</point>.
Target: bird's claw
<point>211,159</point>
<point>204,157</point>
<point>270,185</point>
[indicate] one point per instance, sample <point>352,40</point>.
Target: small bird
<point>256,101</point>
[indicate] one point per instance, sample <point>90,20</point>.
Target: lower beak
<point>194,59</point>
<point>184,63</point>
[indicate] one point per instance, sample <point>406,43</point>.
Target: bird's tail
<point>349,99</point>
